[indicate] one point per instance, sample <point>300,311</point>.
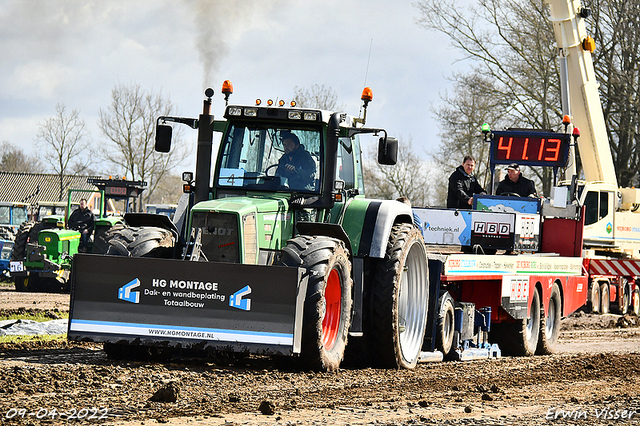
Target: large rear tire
<point>142,241</point>
<point>399,299</point>
<point>550,324</point>
<point>445,326</point>
<point>327,306</point>
<point>604,298</point>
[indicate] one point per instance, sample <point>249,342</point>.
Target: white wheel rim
<point>412,300</point>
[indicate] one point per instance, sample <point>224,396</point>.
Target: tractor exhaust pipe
<point>205,146</point>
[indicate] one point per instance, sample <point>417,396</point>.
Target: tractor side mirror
<point>163,138</point>
<point>388,151</point>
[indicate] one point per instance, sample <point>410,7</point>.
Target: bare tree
<point>129,126</point>
<point>64,140</point>
<point>513,44</point>
<point>317,97</point>
<point>410,177</point>
<point>13,159</point>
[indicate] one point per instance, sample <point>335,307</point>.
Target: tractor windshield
<point>271,158</point>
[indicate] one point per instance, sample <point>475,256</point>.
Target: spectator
<point>463,185</point>
<point>82,220</point>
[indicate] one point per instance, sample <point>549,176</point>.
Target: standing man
<point>463,185</point>
<point>82,220</point>
<point>515,183</point>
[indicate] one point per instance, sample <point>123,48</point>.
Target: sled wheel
<point>399,299</point>
<point>143,241</point>
<point>327,306</point>
<point>604,298</point>
<point>445,327</point>
<point>593,303</point>
<point>520,338</point>
<point>550,324</point>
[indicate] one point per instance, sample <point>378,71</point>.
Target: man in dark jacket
<point>82,220</point>
<point>463,185</point>
<point>515,183</point>
<point>296,164</point>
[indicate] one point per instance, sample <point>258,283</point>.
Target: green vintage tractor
<point>43,253</point>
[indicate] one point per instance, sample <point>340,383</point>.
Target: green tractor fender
<point>368,224</point>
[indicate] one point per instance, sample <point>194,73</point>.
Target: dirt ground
<point>593,379</point>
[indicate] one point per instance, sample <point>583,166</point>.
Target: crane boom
<point>582,91</point>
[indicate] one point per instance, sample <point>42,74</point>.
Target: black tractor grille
<point>220,240</point>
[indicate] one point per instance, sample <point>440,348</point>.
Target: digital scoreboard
<point>530,148</point>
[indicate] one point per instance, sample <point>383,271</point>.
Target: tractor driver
<point>296,163</point>
<point>82,220</point>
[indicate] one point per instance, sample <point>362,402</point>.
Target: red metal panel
<point>574,293</point>
<point>482,293</point>
<point>562,236</point>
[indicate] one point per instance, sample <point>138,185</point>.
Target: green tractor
<point>43,253</point>
<point>273,251</point>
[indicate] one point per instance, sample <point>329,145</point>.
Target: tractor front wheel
<point>327,306</point>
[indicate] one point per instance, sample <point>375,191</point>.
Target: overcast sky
<point>75,51</point>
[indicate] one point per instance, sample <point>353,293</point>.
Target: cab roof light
<point>227,89</point>
<point>270,102</point>
<point>281,103</point>
<point>310,116</point>
<point>258,102</point>
<point>293,103</point>
<point>367,95</point>
<point>566,120</point>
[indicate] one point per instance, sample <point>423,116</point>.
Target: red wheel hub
<point>333,302</point>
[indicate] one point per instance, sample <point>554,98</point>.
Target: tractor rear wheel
<point>445,327</point>
<point>327,305</point>
<point>604,298</point>
<point>399,299</point>
<point>142,241</point>
<point>27,233</point>
<point>550,324</point>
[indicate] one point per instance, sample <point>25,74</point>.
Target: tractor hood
<point>242,229</point>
